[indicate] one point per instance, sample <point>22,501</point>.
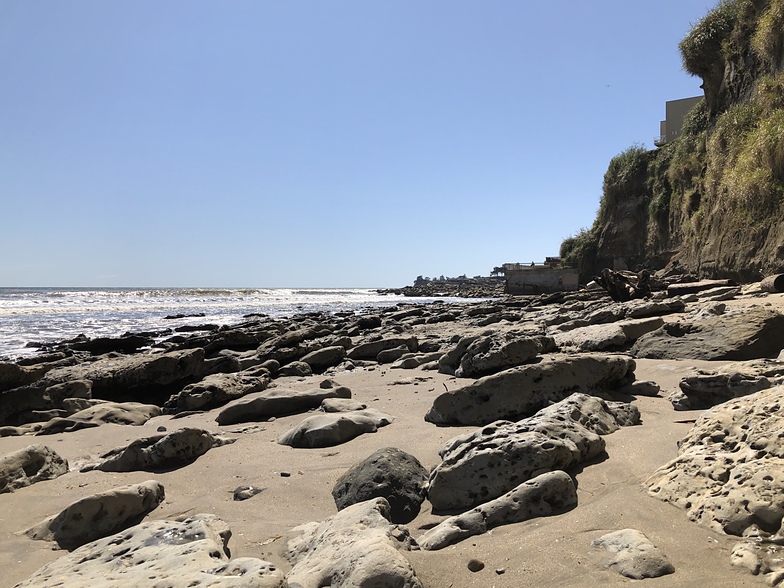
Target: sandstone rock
<point>740,334</point>
<point>547,494</point>
<point>295,368</point>
<point>214,390</point>
<point>327,430</point>
<point>761,554</point>
<point>341,405</point>
<point>520,392</point>
<point>711,387</point>
<point>491,461</point>
<point>28,466</point>
<point>729,473</point>
<point>354,548</point>
<point>392,355</point>
<point>246,492</point>
<point>276,402</point>
<point>371,349</point>
<point>388,473</point>
<point>100,515</point>
<point>494,353</point>
<point>127,413</point>
<point>13,375</point>
<point>634,556</point>
<point>324,358</point>
<point>193,552</point>
<point>450,360</point>
<point>608,336</point>
<point>159,452</point>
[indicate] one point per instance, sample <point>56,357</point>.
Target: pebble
<point>475,565</point>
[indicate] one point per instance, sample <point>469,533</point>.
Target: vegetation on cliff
<point>712,199</point>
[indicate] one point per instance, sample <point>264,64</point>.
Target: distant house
<point>534,278</point>
<point>675,111</point>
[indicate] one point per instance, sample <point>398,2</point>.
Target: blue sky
<point>325,143</point>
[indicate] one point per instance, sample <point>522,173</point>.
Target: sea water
<point>47,315</point>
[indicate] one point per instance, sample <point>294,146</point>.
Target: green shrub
<point>702,50</point>
<point>625,178</point>
<point>768,39</point>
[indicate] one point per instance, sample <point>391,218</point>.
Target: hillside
<point>710,202</point>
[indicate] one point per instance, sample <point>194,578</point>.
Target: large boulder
<point>13,375</point>
<point>159,452</point>
<point>608,336</point>
<point>729,473</point>
<point>126,413</point>
<point>324,358</point>
<point>352,549</point>
<point>522,391</point>
<point>547,494</point>
<point>28,466</point>
<point>214,390</point>
<point>275,402</point>
<point>486,463</point>
<point>388,473</point>
<point>490,354</point>
<point>738,334</point>
<point>193,552</point>
<point>100,515</point>
<point>708,388</point>
<point>371,349</point>
<point>327,430</point>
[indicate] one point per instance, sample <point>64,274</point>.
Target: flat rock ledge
<point>480,466</point>
<point>521,391</point>
<point>193,552</point>
<point>633,555</point>
<point>548,494</point>
<point>729,474</point>
<point>100,515</point>
<point>356,547</point>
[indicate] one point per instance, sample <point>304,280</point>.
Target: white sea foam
<point>55,314</point>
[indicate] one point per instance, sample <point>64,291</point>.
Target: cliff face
<point>712,200</point>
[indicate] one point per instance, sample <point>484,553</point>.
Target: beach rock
<point>324,358</point>
<point>102,345</point>
<point>13,375</point>
<point>547,494</point>
<point>522,391</point>
<point>486,463</point>
<point>28,466</point>
<point>762,554</point>
<point>450,360</point>
<point>711,387</point>
<point>494,353</point>
<point>352,549</point>
<point>246,492</point>
<point>213,391</point>
<point>729,473</point>
<point>608,336</point>
<point>341,405</point>
<point>193,552</point>
<point>371,349</point>
<point>295,368</point>
<point>738,334</point>
<point>275,402</point>
<point>127,413</point>
<point>327,430</point>
<point>392,355</point>
<point>388,473</point>
<point>633,555</point>
<point>100,515</point>
<point>159,452</point>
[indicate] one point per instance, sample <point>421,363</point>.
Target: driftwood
<point>625,286</point>
<point>692,287</point>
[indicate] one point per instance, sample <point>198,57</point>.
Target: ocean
<point>46,315</point>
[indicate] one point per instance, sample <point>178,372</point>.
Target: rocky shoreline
<point>418,445</point>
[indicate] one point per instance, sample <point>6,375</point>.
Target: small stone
<point>245,492</point>
<point>475,565</point>
<point>285,474</point>
<point>500,571</point>
<point>161,429</point>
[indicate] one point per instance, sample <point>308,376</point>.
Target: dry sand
<point>553,551</point>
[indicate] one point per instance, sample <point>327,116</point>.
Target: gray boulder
<point>295,368</point>
<point>159,452</point>
<point>729,473</point>
<point>275,402</point>
<point>215,390</point>
<point>13,375</point>
<point>327,430</point>
<point>738,334</point>
<point>608,336</point>
<point>547,494</point>
<point>485,464</point>
<point>100,515</point>
<point>126,413</point>
<point>494,353</point>
<point>522,391</point>
<point>324,358</point>
<point>388,473</point>
<point>708,388</point>
<point>352,549</point>
<point>371,349</point>
<point>633,555</point>
<point>193,552</point>
<point>28,466</point>
<point>341,405</point>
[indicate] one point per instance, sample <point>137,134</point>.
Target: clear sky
<point>316,143</point>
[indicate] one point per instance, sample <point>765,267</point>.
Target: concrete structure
<point>539,278</point>
<point>675,111</point>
